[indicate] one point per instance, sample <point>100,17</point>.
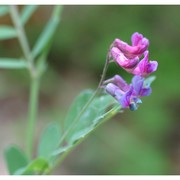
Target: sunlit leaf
<point>91,117</point>
<point>36,167</point>
<point>10,63</point>
<point>7,32</point>
<point>27,12</point>
<point>15,159</point>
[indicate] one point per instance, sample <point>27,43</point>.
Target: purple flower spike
<point>144,68</point>
<point>122,61</point>
<point>139,45</point>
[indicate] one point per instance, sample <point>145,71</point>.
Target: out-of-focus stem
<point>34,89</point>
<point>33,108</point>
<point>22,38</point>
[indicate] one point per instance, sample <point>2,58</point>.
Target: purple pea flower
<point>144,68</point>
<point>129,95</point>
<point>139,46</point>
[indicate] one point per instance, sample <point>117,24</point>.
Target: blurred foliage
<point>146,141</point>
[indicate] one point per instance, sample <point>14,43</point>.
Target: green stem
<point>104,70</point>
<point>34,91</point>
<point>33,107</point>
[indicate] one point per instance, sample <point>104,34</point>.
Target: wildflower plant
<point>90,108</point>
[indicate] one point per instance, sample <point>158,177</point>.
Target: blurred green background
<point>146,141</point>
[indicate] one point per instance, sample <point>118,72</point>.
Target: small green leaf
<point>7,32</point>
<point>49,141</point>
<point>27,12</point>
<point>10,63</point>
<point>77,106</point>
<point>36,167</point>
<point>15,159</point>
<point>89,118</point>
<point>4,10</point>
<point>47,34</point>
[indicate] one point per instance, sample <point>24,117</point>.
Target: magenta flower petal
<point>139,45</point>
<point>138,40</point>
<point>144,67</point>
<point>122,61</point>
<point>145,91</point>
<point>152,66</point>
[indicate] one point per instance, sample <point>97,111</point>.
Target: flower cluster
<point>129,58</point>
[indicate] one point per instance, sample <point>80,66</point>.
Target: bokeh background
<point>143,142</point>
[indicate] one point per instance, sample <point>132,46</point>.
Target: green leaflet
<point>90,117</point>
<point>77,106</point>
<point>15,159</point>
<point>12,63</point>
<point>7,32</point>
<point>47,34</point>
<point>49,141</point>
<point>27,12</point>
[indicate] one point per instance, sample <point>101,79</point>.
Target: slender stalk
<point>33,108</point>
<point>104,70</point>
<point>22,37</point>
